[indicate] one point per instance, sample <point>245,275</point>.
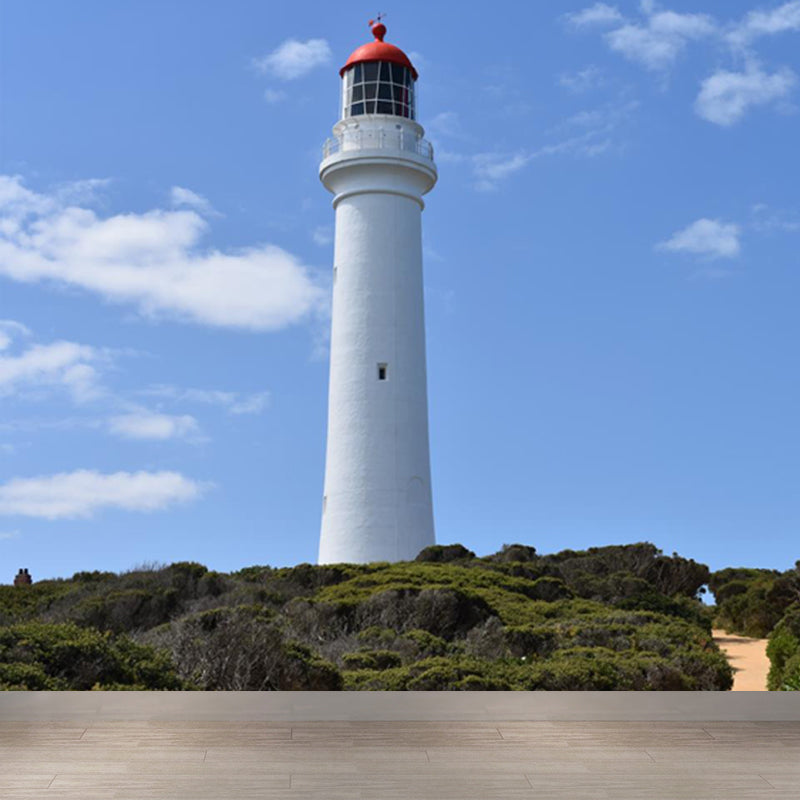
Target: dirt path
<point>748,657</point>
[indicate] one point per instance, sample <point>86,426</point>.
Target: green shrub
<point>791,675</point>
<point>608,617</point>
<point>426,643</point>
<point>242,649</point>
<point>22,604</point>
<point>783,650</point>
<point>668,575</point>
<point>751,602</point>
<point>445,554</point>
<point>67,657</point>
<point>372,659</point>
<point>576,669</point>
<point>513,553</point>
<point>93,577</point>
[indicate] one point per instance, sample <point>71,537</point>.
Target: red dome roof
<point>378,51</point>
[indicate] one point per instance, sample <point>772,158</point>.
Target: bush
<point>411,645</point>
<point>609,617</point>
<point>444,554</point>
<point>668,575</point>
<point>242,649</point>
<point>783,650</point>
<point>24,604</point>
<point>751,602</point>
<point>67,657</point>
<point>513,553</point>
<point>372,659</point>
<point>441,611</point>
<point>576,669</point>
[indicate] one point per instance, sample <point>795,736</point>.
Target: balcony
<point>378,139</point>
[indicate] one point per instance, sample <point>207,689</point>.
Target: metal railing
<point>378,139</point>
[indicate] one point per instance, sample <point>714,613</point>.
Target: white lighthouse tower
<point>377,503</point>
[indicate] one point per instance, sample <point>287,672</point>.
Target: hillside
<point>621,617</point>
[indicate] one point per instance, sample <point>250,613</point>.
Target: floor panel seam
<point>771,786</point>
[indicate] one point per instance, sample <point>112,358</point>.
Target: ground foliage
<point>620,617</point>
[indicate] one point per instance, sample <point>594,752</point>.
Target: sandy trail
<point>748,657</point>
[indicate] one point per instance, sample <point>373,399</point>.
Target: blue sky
<point>612,277</point>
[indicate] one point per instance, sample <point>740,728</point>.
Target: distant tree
<point>445,554</point>
<point>513,553</point>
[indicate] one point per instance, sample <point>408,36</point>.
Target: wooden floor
<point>399,760</point>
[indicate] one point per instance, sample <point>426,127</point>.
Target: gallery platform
<point>399,746</point>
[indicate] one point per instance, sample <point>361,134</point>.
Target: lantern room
<point>378,78</point>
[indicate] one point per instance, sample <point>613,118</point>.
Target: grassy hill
<point>623,617</point>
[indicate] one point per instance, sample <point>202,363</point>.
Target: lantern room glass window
<point>378,87</point>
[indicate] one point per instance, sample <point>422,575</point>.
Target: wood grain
<point>201,760</point>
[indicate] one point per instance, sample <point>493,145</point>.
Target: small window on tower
<point>383,371</point>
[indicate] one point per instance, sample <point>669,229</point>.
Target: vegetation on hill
<point>622,617</point>
<point>764,603</point>
<point>784,652</point>
<point>38,655</point>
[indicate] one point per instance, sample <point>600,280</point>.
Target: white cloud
<point>766,23</point>
<point>152,261</point>
<point>232,402</point>
<point>186,198</point>
<point>768,220</point>
<point>6,535</point>
<point>323,235</point>
<point>598,14</point>
<point>602,119</point>
<point>705,237</point>
<point>596,137</point>
<point>10,330</point>
<point>274,95</point>
<point>66,365</point>
<point>84,191</point>
<point>725,97</point>
<point>145,424</point>
<point>250,404</point>
<point>658,43</point>
<point>294,59</point>
<point>446,123</point>
<point>583,80</point>
<point>81,494</point>
<point>490,168</point>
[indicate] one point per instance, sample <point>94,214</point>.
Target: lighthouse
<point>377,503</point>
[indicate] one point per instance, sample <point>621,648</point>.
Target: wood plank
<point>399,761</point>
